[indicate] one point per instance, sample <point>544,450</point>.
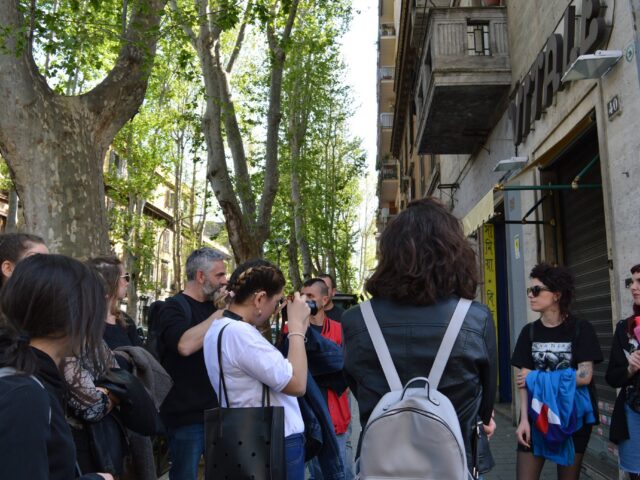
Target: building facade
<point>503,111</point>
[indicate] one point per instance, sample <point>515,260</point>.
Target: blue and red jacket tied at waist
<point>557,409</point>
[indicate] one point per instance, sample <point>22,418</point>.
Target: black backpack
<point>154,344</point>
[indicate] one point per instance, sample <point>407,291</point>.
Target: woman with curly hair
<point>250,362</point>
<point>425,266</point>
<point>555,342</point>
<point>623,373</point>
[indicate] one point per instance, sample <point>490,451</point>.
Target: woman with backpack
<point>49,310</point>
<point>556,342</point>
<point>623,373</point>
<point>250,362</point>
<point>426,265</point>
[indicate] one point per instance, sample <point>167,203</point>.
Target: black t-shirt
<point>118,336</point>
<point>551,348</point>
<point>192,392</point>
<point>335,313</point>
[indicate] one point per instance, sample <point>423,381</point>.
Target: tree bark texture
<point>55,145</point>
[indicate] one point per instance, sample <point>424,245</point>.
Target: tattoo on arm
<point>585,369</point>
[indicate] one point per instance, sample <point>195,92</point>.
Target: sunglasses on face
<point>126,276</point>
<point>536,289</point>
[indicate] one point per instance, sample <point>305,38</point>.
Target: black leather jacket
<point>413,335</point>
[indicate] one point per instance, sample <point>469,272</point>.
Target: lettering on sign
<point>536,92</point>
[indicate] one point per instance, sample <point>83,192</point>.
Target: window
<point>166,242</point>
<point>168,199</point>
<point>478,39</point>
<point>164,274</point>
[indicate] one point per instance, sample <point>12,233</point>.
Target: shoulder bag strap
<point>442,357</point>
<point>380,346</point>
<point>222,386</point>
<point>184,304</point>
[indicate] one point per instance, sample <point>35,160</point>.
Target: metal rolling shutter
<point>585,253</point>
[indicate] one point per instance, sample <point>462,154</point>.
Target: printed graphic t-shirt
<point>551,347</point>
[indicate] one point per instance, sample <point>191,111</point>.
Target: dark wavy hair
<point>631,323</point>
<point>52,296</point>
<point>253,276</point>
<point>558,280</point>
<point>424,257</point>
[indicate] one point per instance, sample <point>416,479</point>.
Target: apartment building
<point>521,116</point>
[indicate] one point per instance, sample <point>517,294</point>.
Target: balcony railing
<point>387,73</point>
<point>390,171</point>
<point>386,120</point>
<point>387,30</point>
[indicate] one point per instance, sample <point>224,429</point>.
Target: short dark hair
<point>424,257</point>
<point>324,290</point>
<point>330,277</point>
<point>52,296</point>
<point>252,276</point>
<point>14,245</point>
<point>559,280</point>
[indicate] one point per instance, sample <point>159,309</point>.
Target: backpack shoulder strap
<point>7,371</point>
<point>449,339</point>
<point>184,304</point>
<point>380,346</point>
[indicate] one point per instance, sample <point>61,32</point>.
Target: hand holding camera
<point>297,313</point>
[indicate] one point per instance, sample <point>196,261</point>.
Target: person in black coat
<point>425,266</point>
<point>623,373</point>
<point>49,309</point>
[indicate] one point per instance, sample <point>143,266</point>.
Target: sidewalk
<point>503,447</point>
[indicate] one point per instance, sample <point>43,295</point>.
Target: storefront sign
<point>489,255</point>
<point>537,90</point>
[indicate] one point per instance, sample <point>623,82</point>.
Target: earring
<point>259,312</point>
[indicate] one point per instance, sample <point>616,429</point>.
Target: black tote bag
<point>244,443</point>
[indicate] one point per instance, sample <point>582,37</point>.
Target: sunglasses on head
<point>126,276</point>
<point>536,289</point>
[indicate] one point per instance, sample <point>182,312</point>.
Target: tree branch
<point>118,97</point>
<point>239,38</point>
<point>271,176</point>
<point>186,28</point>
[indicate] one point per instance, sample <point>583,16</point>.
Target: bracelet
<point>299,334</point>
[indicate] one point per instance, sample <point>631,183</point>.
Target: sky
<point>359,49</point>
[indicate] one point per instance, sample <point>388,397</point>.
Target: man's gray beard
<point>209,290</point>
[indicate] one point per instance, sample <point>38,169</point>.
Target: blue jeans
<point>343,441</point>
<point>294,455</point>
<point>186,445</point>
<point>315,472</point>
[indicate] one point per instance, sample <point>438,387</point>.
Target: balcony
<point>386,120</point>
<point>419,15</point>
<point>463,80</point>
<point>386,73</point>
<point>387,30</point>
<point>389,181</point>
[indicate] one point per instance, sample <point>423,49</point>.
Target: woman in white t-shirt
<point>250,361</point>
